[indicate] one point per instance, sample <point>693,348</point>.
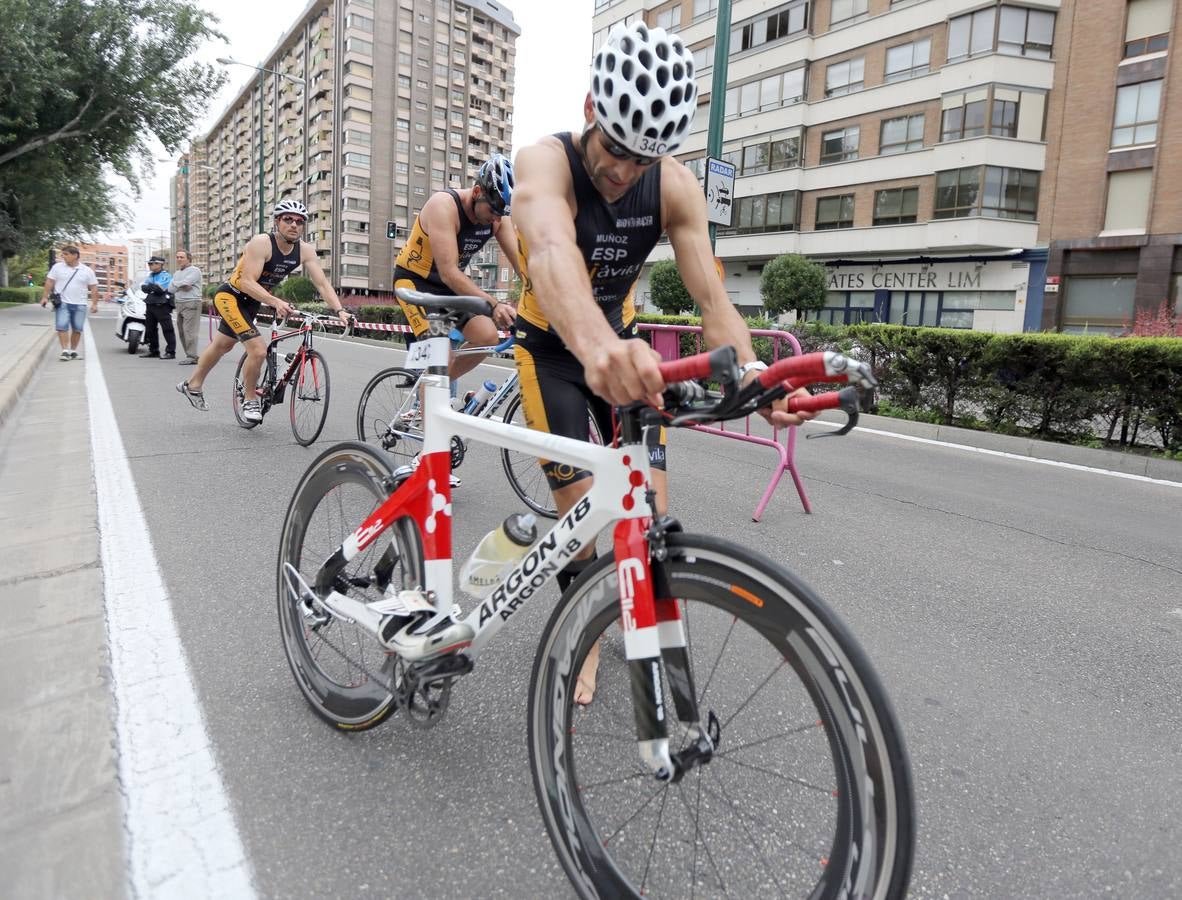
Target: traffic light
<point>391,230</point>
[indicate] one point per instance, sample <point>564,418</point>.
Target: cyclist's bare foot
<point>585,683</point>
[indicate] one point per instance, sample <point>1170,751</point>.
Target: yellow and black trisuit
<point>615,240</point>
<point>236,308</point>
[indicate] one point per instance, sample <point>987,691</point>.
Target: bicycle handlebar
<point>686,401</point>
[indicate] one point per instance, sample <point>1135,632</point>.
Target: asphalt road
<point>1026,620</point>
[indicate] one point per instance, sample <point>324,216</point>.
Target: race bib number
<point>431,352</point>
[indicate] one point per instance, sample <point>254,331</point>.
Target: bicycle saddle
<point>476,306</point>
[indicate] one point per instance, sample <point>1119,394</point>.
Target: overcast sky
<point>553,56</point>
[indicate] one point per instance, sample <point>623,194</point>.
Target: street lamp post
<point>227,61</point>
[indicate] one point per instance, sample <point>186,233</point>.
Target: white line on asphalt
<point>1018,456</point>
<point>182,840</point>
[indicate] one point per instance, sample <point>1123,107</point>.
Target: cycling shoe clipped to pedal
<point>415,630</point>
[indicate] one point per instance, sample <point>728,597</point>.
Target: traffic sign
<point>720,191</point>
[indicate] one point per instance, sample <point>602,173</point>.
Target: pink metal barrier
<point>666,340</point>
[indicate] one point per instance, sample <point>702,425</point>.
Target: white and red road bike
<point>739,744</point>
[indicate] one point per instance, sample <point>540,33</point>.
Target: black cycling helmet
<point>495,180</point>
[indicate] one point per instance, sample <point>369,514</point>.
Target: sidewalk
<point>61,815</point>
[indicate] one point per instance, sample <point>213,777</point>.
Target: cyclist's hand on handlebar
<point>624,371</point>
<point>504,315</point>
<point>347,318</point>
<point>283,309</point>
<point>777,414</point>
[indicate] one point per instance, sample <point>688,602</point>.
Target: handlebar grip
<point>846,399</point>
<point>824,366</point>
<point>718,363</point>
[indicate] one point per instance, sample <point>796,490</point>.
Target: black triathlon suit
<point>415,267</point>
<point>615,240</point>
<point>236,308</point>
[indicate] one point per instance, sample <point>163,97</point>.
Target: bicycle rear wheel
<point>340,668</point>
<point>265,382</point>
<point>524,471</point>
<point>387,414</point>
<point>808,793</point>
<point>309,398</point>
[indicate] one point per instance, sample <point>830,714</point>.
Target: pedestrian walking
<point>186,287</point>
<point>159,299</point>
<point>69,285</point>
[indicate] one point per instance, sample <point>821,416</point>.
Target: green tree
<point>297,289</point>
<point>792,282</point>
<point>83,85</point>
<point>668,291</point>
<point>34,264</point>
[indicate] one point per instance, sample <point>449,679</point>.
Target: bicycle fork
<point>654,634</point>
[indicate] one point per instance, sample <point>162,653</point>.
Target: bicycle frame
<point>620,493</point>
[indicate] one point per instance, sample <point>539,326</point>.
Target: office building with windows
<point>1112,212</point>
<point>903,144</point>
<point>109,263</point>
<point>377,104</point>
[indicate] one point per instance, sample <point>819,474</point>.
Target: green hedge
<point>1100,391</point>
<point>20,295</point>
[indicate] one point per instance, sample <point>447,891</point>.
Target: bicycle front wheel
<point>388,414</point>
<point>524,471</point>
<point>808,792</point>
<point>309,398</point>
<point>340,668</point>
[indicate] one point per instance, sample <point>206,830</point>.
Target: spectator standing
<point>186,287</point>
<point>159,300</point>
<point>69,284</point>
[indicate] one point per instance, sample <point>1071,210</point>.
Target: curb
<point>1110,460</point>
<point>20,373</point>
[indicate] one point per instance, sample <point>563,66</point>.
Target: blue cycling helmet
<point>495,180</point>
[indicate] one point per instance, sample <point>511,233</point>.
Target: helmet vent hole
<point>602,109</point>
<point>626,69</point>
<point>642,85</point>
<point>638,120</point>
<point>658,108</point>
<point>650,133</point>
<point>675,96</point>
<point>678,48</point>
<point>599,63</point>
<point>609,87</point>
<point>682,124</point>
<point>625,104</point>
<point>666,131</point>
<point>626,45</point>
<point>595,84</point>
<point>663,51</point>
<point>678,71</point>
<point>616,127</point>
<point>689,68</point>
<point>662,75</point>
<point>645,59</point>
<point>642,32</point>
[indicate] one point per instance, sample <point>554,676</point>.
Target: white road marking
<point>181,836</point>
<point>1018,456</point>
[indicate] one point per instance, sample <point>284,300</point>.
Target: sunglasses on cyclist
<point>498,209</point>
<point>617,151</point>
<point>291,220</point>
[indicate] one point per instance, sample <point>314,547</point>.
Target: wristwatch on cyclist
<point>754,366</point>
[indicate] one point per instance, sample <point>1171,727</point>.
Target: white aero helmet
<point>643,90</point>
<point>292,207</point>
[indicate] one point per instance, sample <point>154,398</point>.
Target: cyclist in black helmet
<point>266,260</point>
<point>449,230</point>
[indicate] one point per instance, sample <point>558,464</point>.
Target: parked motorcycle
<point>132,321</point>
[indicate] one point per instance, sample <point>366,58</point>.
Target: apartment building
<point>1113,209</point>
<point>368,107</point>
<point>109,263</point>
<point>903,144</point>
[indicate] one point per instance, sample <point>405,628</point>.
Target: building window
<point>361,23</point>
<point>1098,305</point>
<point>840,145</point>
<point>1025,32</point>
<point>901,134</point>
<point>767,93</point>
<point>841,10</point>
<point>964,121</point>
<point>781,23</point>
<point>835,212</point>
<point>357,45</point>
<point>1128,200</point>
<point>1003,118</point>
<point>844,77</point>
<point>403,124</point>
<point>704,58</point>
<point>987,191</point>
<point>764,212</point>
<point>845,308</point>
<point>1137,108</point>
<point>908,60</point>
<point>896,206</point>
<point>669,19</point>
<point>352,270</point>
<point>971,34</point>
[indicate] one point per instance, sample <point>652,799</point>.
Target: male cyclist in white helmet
<point>588,209</point>
<point>266,260</point>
